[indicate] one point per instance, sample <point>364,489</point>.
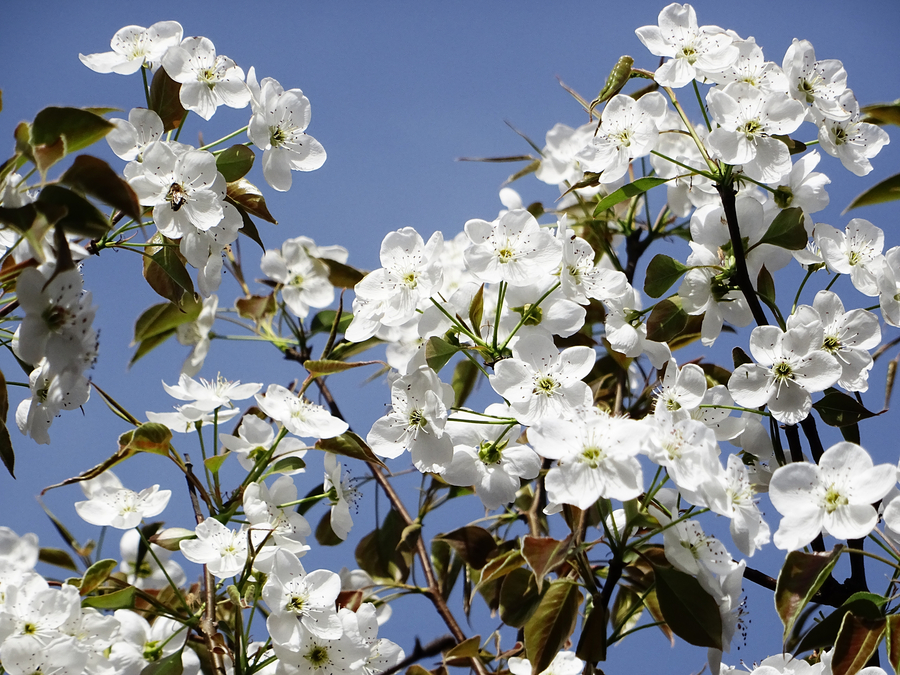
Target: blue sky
<point>399,90</point>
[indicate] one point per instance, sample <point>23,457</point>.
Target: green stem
<point>223,139</point>
<point>526,315</point>
<point>501,296</point>
<point>477,340</point>
<point>702,105</point>
<point>162,567</point>
<point>831,283</point>
<point>809,273</point>
<point>146,85</point>
<point>181,125</point>
<point>714,169</point>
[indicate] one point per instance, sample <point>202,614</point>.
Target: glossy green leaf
<point>765,285</point>
<point>341,275</point>
<point>500,566</point>
<point>150,437</point>
<point>856,642</point>
<point>465,377</point>
<point>551,624</point>
<point>245,194</point>
<point>377,552</point>
<point>787,230</point>
<point>82,218</point>
<point>166,272</point>
<point>824,633</point>
<point>519,597</point>
<point>94,177</point>
<point>544,555</point>
<point>638,187</point>
<point>801,576</point>
<point>327,367</point>
<point>162,318</point>
<point>286,464</point>
<point>667,320</point>
<point>887,190</point>
<point>837,409</point>
<point>168,665</point>
<point>58,558</point>
<point>325,535</point>
<point>438,352</point>
<point>248,227</point>
<point>144,347</point>
<point>473,544</point>
<point>592,641</point>
<point>881,113</point>
<point>350,445</point>
<point>235,162</point>
<point>121,599</point>
<point>215,462</point>
<point>689,610</point>
<point>323,321</point>
<point>462,653</point>
<point>69,129</point>
<point>165,100</point>
<point>662,273</point>
<point>96,574</point>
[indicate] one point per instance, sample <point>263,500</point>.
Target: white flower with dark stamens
<point>748,529</point>
<point>304,653</point>
<point>183,186</point>
<point>682,388</point>
<point>134,46</point>
<point>420,405</point>
<point>693,50</point>
<point>686,447</point>
<point>304,279</point>
<point>411,271</point>
<point>130,137</point>
<point>789,367</point>
<point>297,599</point>
<point>123,508</point>
<point>852,141</point>
<point>856,252</point>
<point>847,335</point>
<point>818,85</point>
<point>752,68</point>
<point>208,395</point>
<point>338,486</point>
<point>748,118</point>
<point>580,279</point>
<point>147,575</point>
<point>272,527</point>
<point>628,130</point>
<point>540,382</point>
<point>255,438</point>
<point>558,158</point>
<point>804,188</point>
<point>278,128</point>
<point>835,496</point>
<point>196,334</point>
<point>223,550</point>
<point>513,248</point>
<point>207,80</point>
<point>300,416</point>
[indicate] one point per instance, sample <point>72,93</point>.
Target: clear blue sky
<point>398,91</point>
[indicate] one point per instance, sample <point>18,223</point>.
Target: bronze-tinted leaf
<point>341,275</point>
<point>519,597</point>
<point>856,642</point>
<point>544,555</point>
<point>96,574</point>
<point>462,653</point>
<point>94,177</point>
<point>893,641</point>
<point>165,270</point>
<point>349,444</point>
<point>882,113</point>
<point>473,544</point>
<point>500,566</point>
<point>57,557</point>
<point>592,641</point>
<point>824,633</point>
<point>165,101</point>
<point>245,194</point>
<point>150,437</point>
<point>801,576</point>
<point>551,624</point>
<point>689,610</point>
<point>327,367</point>
<point>258,308</point>
<point>162,318</point>
<point>377,552</point>
<point>82,218</point>
<point>887,190</point>
<point>667,320</point>
<point>67,130</point>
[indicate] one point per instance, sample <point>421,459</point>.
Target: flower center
<point>490,453</point>
<point>296,604</point>
<point>417,418</point>
<point>592,456</point>
<point>277,136</point>
<point>317,656</point>
<point>834,499</point>
<point>831,344</point>
<point>410,279</point>
<point>840,135</point>
<point>545,385</point>
<point>783,196</point>
<point>506,254</point>
<point>689,53</point>
<point>783,371</point>
<point>751,128</point>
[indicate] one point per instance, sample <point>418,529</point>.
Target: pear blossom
<point>693,50</point>
<point>691,550</point>
<point>148,574</point>
<point>564,663</point>
<point>714,412</point>
<point>580,279</point>
<point>302,651</point>
<point>123,509</point>
<point>687,449</point>
<point>626,331</point>
<point>835,496</point>
<point>789,367</point>
<point>682,388</point>
<point>205,249</point>
<point>278,128</point>
<point>628,130</point>
<point>140,644</point>
<point>804,188</point>
<point>856,251</point>
<point>131,137</point>
<point>136,46</point>
<point>559,163</point>
<point>187,418</point>
<point>383,653</point>
<point>223,550</point>
<point>752,68</point>
<point>420,404</point>
<point>514,248</point>
<point>847,335</point>
<point>817,84</point>
<point>207,80</point>
<point>889,287</point>
<point>300,416</point>
<point>748,118</point>
<point>852,141</point>
<point>255,438</point>
<point>297,598</point>
<point>206,395</point>
<point>749,530</point>
<point>540,382</point>
<point>196,334</point>
<point>304,279</point>
<point>51,392</point>
<point>339,488</point>
<point>539,307</point>
<point>272,527</point>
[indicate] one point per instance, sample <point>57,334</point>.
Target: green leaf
<point>165,101</point>
<point>499,567</point>
<point>377,553</point>
<point>162,318</point>
<point>235,162</point>
<point>94,177</point>
<point>667,320</point>
<point>893,641</point>
<point>856,642</point>
<point>460,654</point>
<point>215,462</point>
<point>551,624</point>
<point>146,346</point>
<point>473,544</point>
<point>837,409</point>
<point>544,555</point>
<point>245,194</point>
<point>887,190</point>
<point>592,641</point>
<point>689,610</point>
<point>801,576</point>
<point>96,574</point>
<point>662,273</point>
<point>150,437</point>
<point>57,557</point>
<point>765,286</point>
<point>465,376</point>
<point>341,275</point>
<point>786,231</point>
<point>165,270</point>
<point>168,665</point>
<point>122,599</point>
<point>68,129</point>
<point>82,218</point>
<point>739,357</point>
<point>327,367</point>
<point>248,227</point>
<point>519,597</point>
<point>882,113</point>
<point>638,187</point>
<point>324,320</point>
<point>824,633</point>
<point>7,454</point>
<point>438,352</point>
<point>476,311</point>
<point>286,464</point>
<point>794,146</point>
<point>258,308</point>
<point>325,535</point>
<point>350,445</point>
